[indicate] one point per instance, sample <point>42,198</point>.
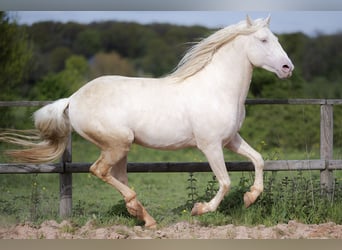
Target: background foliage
<point>51,60</point>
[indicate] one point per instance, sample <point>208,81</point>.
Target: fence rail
<point>326,165</point>
<point>162,167</point>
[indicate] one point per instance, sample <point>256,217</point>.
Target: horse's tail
<point>48,141</point>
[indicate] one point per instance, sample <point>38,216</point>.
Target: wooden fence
<point>326,165</point>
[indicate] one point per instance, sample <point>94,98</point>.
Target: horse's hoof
<point>198,209</point>
<point>248,199</point>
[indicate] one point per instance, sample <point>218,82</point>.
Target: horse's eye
<point>264,40</point>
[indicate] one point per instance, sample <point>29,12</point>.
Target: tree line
<point>51,60</point>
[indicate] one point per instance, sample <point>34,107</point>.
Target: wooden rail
<point>168,167</point>
<point>326,165</point>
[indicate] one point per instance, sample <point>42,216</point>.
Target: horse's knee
<point>259,161</point>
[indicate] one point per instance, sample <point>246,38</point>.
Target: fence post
<point>65,184</point>
<point>326,147</point>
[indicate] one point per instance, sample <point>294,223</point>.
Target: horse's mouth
<point>285,75</point>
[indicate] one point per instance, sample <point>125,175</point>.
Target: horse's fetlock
<point>226,186</point>
<point>130,198</point>
<point>135,208</point>
<point>257,190</point>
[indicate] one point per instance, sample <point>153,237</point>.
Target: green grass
<point>167,197</point>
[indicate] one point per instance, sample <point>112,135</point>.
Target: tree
<point>64,83</point>
<point>129,39</point>
<point>110,64</point>
<point>15,55</point>
<point>159,59</point>
<point>88,42</point>
<point>323,57</point>
<point>57,57</point>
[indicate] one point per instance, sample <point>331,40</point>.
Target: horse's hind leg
<point>119,171</point>
<point>105,167</point>
<point>241,147</point>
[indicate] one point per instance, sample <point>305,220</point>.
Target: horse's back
<point>116,93</point>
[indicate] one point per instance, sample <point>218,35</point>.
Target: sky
<point>308,22</point>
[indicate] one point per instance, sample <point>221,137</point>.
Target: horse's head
<point>265,51</point>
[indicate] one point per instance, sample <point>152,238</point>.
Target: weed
<point>68,229</point>
<point>211,189</point>
<point>35,199</point>
<point>79,209</point>
<point>192,190</point>
<point>285,198</point>
<point>293,198</point>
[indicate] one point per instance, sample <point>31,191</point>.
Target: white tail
<point>49,141</point>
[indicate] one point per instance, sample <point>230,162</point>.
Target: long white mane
<point>201,54</point>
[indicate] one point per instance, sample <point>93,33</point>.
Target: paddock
<point>66,167</point>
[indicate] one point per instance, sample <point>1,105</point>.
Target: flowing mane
<point>198,56</point>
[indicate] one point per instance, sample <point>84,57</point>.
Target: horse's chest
<point>221,123</point>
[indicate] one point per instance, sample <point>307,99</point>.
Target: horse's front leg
<point>241,147</point>
<point>215,157</point>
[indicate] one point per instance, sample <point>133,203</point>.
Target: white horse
<point>200,104</point>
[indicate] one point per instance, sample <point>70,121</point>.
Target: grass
<point>169,197</point>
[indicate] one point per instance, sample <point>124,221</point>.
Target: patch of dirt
<point>181,230</point>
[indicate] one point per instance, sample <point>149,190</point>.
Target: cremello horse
<point>200,104</point>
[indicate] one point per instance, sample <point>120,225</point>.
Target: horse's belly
<point>163,144</point>
<point>164,137</point>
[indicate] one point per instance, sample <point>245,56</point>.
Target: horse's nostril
<point>286,67</point>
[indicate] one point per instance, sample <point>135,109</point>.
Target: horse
<point>199,104</point>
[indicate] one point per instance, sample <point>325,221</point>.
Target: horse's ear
<point>249,21</point>
<point>268,19</point>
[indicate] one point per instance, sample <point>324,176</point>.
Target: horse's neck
<point>232,70</point>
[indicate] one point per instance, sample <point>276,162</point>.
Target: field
<point>169,197</point>
<point>288,196</point>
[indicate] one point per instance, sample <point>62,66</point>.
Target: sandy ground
<point>180,230</point>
